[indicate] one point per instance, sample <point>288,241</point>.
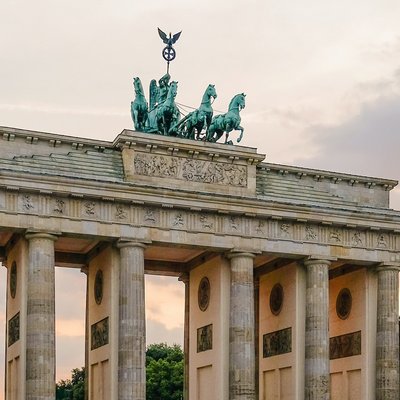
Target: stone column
<point>387,335</point>
<point>185,279</point>
<point>317,330</point>
<point>241,328</point>
<point>132,323</point>
<point>40,329</point>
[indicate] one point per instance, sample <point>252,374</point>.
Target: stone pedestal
<point>387,335</point>
<point>241,328</point>
<point>132,323</point>
<point>40,329</point>
<point>317,330</point>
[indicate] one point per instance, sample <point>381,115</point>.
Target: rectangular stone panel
<point>270,385</point>
<point>204,338</point>
<point>100,334</point>
<point>13,329</point>
<point>278,342</point>
<point>337,387</point>
<point>205,386</point>
<point>201,171</point>
<point>345,345</point>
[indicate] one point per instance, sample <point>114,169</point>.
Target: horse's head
<point>239,101</point>
<point>137,84</point>
<point>211,92</point>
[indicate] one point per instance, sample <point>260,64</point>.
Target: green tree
<point>74,388</point>
<point>164,372</point>
<point>164,376</point>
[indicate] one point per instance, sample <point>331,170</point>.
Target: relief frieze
<point>345,345</point>
<point>204,338</point>
<point>27,202</point>
<point>13,329</point>
<point>278,342</point>
<point>99,334</point>
<point>59,206</point>
<point>164,217</point>
<point>121,212</point>
<point>190,170</point>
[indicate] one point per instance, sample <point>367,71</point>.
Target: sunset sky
<point>322,81</point>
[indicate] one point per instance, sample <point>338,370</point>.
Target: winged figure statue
<point>169,41</point>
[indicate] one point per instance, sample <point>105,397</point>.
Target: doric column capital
<point>242,253</point>
<point>315,259</point>
<point>388,266</point>
<point>31,234</point>
<point>128,242</point>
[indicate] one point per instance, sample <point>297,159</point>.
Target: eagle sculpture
<point>169,41</point>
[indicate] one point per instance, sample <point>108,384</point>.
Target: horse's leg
<point>241,133</point>
<point>136,119</point>
<point>228,129</point>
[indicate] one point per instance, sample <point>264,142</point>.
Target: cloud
<point>367,143</point>
<point>70,328</point>
<point>165,302</point>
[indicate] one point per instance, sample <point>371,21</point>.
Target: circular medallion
<point>343,303</point>
<point>276,299</point>
<point>98,286</point>
<point>204,294</point>
<point>13,279</point>
<point>169,53</point>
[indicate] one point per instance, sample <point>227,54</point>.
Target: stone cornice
<point>355,217</point>
<point>334,177</point>
<point>75,213</point>
<point>52,139</point>
<point>186,148</point>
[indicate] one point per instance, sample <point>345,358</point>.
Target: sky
<point>322,84</point>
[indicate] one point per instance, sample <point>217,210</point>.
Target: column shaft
<point>40,330</point>
<point>387,336</point>
<point>317,331</point>
<point>132,324</point>
<point>241,328</point>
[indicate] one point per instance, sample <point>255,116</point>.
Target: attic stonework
<point>149,204</point>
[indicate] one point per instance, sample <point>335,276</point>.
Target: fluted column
<point>241,328</point>
<point>132,323</point>
<point>317,330</point>
<point>40,329</point>
<point>186,280</point>
<point>387,335</point>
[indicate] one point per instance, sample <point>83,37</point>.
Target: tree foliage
<point>164,372</point>
<point>164,376</point>
<point>74,388</point>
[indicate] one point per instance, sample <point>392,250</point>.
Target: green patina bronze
<point>226,123</point>
<point>139,106</point>
<point>199,120</point>
<point>162,115</point>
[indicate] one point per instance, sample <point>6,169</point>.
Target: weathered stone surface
<point>241,328</point>
<point>132,323</point>
<point>317,330</point>
<point>40,328</point>
<point>387,335</point>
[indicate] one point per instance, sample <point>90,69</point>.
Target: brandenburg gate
<point>290,274</point>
